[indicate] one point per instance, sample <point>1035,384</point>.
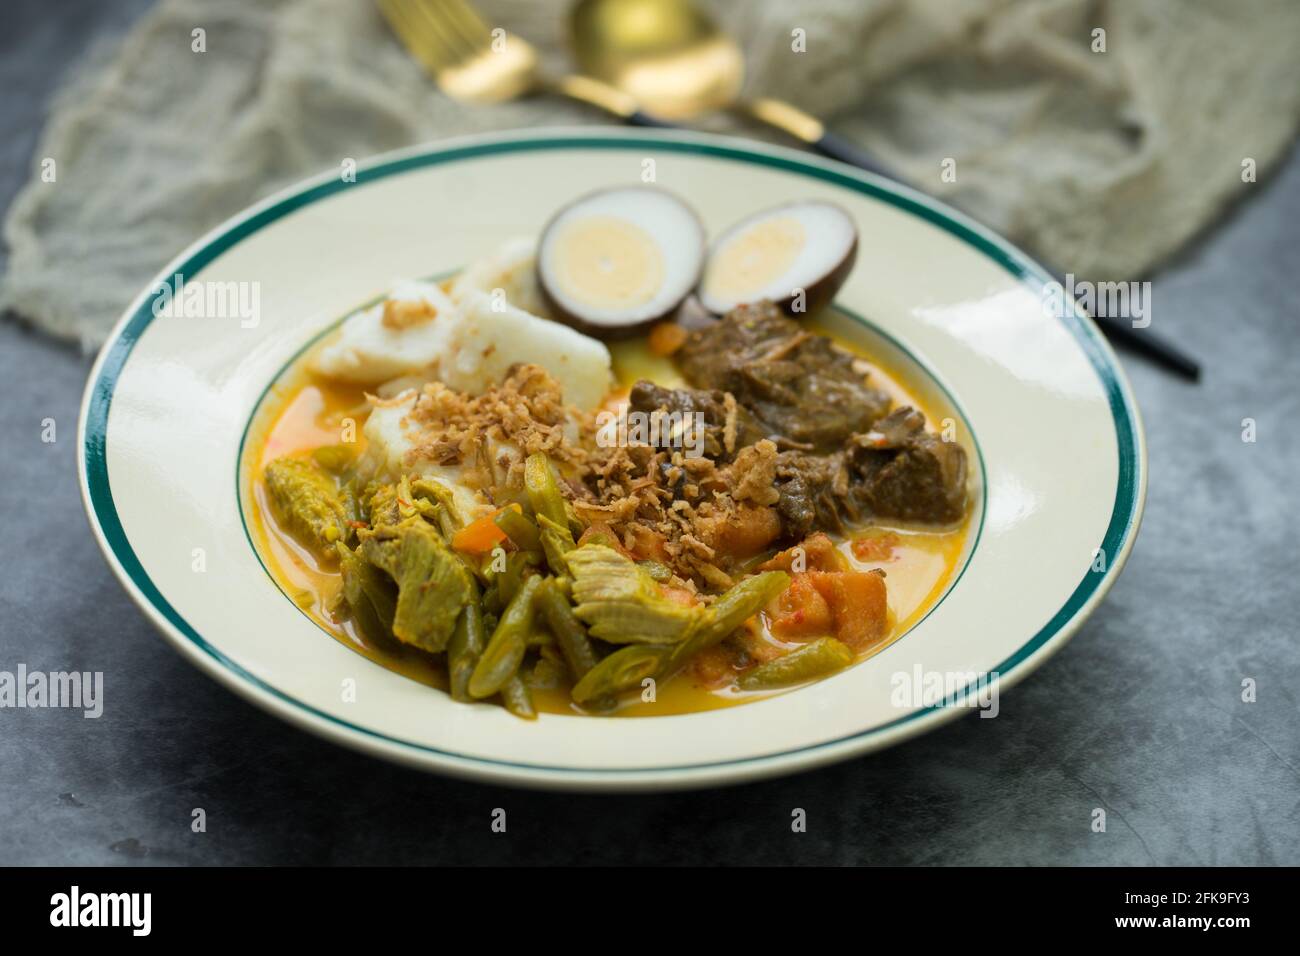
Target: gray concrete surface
<point>1141,714</point>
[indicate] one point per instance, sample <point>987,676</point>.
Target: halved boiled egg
<point>615,261</point>
<point>798,255</point>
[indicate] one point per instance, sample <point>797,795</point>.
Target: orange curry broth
<point>303,412</point>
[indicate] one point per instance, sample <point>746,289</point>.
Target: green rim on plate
<point>99,396</point>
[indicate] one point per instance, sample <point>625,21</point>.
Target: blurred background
<point>1100,136</point>
<point>1142,140</point>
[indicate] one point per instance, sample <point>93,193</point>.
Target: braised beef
<point>815,494</point>
<point>846,458</point>
<point>801,388</point>
<point>898,470</point>
<point>903,471</point>
<point>647,397</point>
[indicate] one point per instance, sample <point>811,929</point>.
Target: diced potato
<point>817,552</point>
<point>848,605</point>
<point>744,533</point>
<point>800,611</point>
<point>857,600</point>
<point>647,544</point>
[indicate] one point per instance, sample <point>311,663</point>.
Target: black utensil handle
<point>642,118</point>
<point>1154,347</point>
<point>837,147</point>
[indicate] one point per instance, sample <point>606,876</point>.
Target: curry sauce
<point>303,412</point>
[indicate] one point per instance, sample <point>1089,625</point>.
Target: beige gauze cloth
<point>1100,161</point>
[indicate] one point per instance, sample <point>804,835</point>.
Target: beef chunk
<point>845,457</point>
<point>897,470</point>
<point>800,387</point>
<point>814,493</point>
<point>903,471</point>
<point>647,397</point>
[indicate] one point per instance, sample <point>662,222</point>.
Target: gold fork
<point>476,64</point>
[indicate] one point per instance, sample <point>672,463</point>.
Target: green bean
<point>540,637</point>
<point>570,633</point>
<point>579,655</point>
<point>518,698</point>
<point>365,586</point>
<point>557,542</point>
<point>492,603</point>
<point>747,598</point>
<point>486,566</point>
<point>547,673</point>
<point>518,565</point>
<point>543,490</point>
<point>356,516</point>
<point>740,602</point>
<point>464,650</point>
<point>508,581</point>
<point>363,612</point>
<point>626,668</point>
<point>519,529</point>
<point>817,659</point>
<point>505,651</point>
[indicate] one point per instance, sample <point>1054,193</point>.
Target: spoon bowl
<point>667,54</point>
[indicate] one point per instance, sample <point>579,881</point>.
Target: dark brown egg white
<point>615,261</point>
<point>798,255</point>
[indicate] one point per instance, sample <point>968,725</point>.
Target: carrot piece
<point>666,338</point>
<point>876,547</point>
<point>480,536</point>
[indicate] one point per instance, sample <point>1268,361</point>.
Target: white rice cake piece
<point>491,337</point>
<point>370,351</point>
<point>512,268</point>
<point>390,438</point>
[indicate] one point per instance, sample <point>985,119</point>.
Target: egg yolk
<point>608,263</point>
<point>751,261</point>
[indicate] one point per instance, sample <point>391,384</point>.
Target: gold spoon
<point>677,65</point>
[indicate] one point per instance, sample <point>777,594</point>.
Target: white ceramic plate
<point>1057,451</point>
